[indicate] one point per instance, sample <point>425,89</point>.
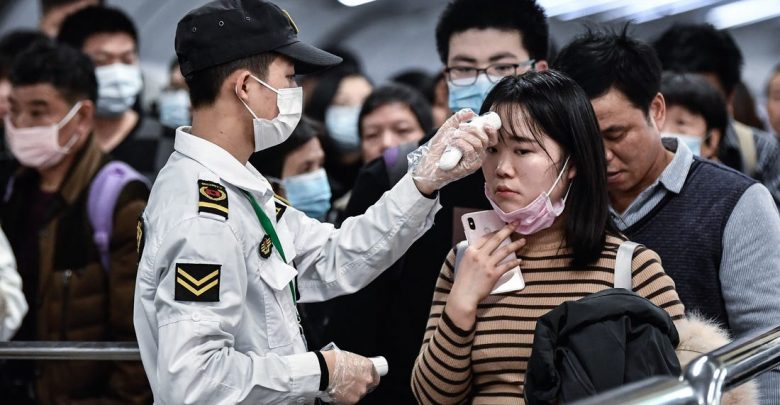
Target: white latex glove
<point>472,141</point>
<point>352,377</point>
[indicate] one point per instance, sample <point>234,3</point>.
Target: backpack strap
<point>460,249</point>
<point>747,146</point>
<point>625,255</point>
<point>101,202</point>
<point>395,161</point>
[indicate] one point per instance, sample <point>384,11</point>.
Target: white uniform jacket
<point>214,314</point>
<point>13,307</point>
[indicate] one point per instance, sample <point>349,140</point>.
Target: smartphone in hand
<point>478,224</point>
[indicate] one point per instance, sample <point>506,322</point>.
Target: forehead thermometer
<point>452,155</point>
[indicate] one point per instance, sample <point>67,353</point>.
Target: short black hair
<point>66,69</point>
<point>525,16</point>
<point>398,93</point>
<point>600,60</point>
<point>701,48</point>
<point>270,162</point>
<point>698,96</point>
<point>555,105</point>
<point>14,43</point>
<point>204,84</point>
<point>419,80</point>
<point>89,21</point>
<point>48,5</point>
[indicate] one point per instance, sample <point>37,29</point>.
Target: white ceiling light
<point>743,12</point>
<point>650,10</point>
<point>570,10</point>
<point>353,3</point>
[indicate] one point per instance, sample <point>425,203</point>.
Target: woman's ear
<point>571,172</point>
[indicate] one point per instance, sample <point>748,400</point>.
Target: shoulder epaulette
<point>212,199</point>
<point>281,205</point>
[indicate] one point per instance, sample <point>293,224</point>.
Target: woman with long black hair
<point>546,178</point>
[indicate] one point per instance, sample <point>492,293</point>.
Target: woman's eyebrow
<point>520,139</point>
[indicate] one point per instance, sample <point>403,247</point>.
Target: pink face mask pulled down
<point>39,147</point>
<point>536,216</point>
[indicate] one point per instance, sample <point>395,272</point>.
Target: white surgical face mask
<point>269,133</point>
<point>342,125</point>
<point>174,108</point>
<point>118,87</point>
<point>309,192</point>
<point>39,147</point>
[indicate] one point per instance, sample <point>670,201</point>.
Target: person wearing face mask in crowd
<point>336,101</point>
<point>173,104</point>
<point>393,115</point>
<point>713,53</point>
<point>474,38</point>
<point>11,45</point>
<point>695,113</point>
<point>173,110</point>
<point>296,170</point>
<point>122,128</point>
<point>223,262</point>
<point>76,289</point>
<point>715,229</point>
<point>545,179</point>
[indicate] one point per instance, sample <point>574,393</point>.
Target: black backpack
<point>602,341</point>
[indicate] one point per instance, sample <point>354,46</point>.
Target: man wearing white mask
<point>223,262</point>
<point>77,287</point>
<point>122,128</point>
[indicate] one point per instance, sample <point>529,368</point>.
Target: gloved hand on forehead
<point>455,133</point>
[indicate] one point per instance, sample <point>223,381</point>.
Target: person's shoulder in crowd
<point>725,177</point>
<point>140,148</point>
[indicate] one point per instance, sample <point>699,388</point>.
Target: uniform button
<point>196,317</point>
<point>301,400</point>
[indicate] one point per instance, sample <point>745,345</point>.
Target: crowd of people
<point>273,199</point>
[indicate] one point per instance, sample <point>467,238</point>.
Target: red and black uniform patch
<point>212,198</point>
<point>197,282</point>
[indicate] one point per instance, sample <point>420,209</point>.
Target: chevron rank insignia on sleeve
<point>197,282</point>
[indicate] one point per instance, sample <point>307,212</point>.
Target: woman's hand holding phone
<point>477,273</point>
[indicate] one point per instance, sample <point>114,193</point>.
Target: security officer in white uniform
<point>223,262</point>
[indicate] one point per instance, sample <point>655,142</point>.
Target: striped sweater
<point>487,364</point>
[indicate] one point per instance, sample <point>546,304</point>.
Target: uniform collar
<point>222,163</point>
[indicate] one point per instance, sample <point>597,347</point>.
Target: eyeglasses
<point>467,75</point>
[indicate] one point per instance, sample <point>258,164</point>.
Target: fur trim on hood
<point>699,336</point>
